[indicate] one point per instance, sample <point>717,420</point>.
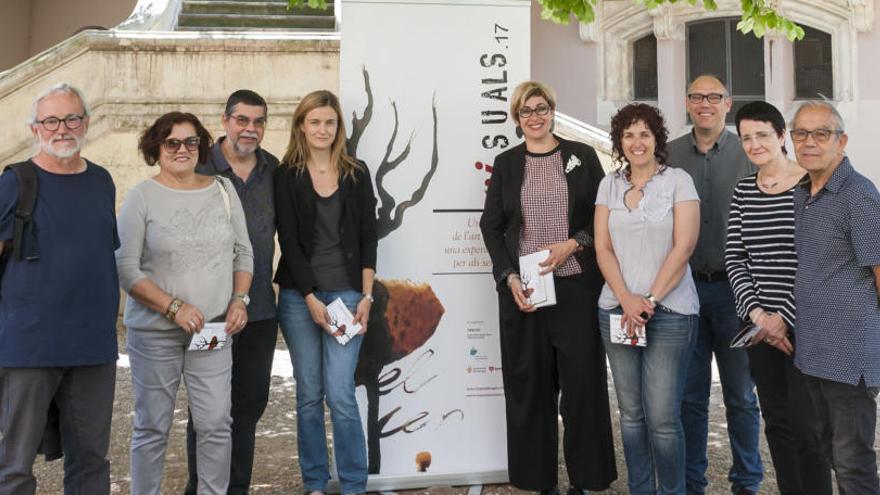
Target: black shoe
<point>576,491</point>
<point>743,491</point>
<point>550,491</point>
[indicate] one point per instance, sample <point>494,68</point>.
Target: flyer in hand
<point>618,335</point>
<point>212,337</point>
<point>342,321</point>
<point>540,289</point>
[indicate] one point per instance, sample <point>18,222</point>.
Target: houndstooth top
<point>544,205</point>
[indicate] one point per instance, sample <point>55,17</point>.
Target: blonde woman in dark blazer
<point>542,196</point>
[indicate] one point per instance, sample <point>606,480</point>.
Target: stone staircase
<point>263,15</point>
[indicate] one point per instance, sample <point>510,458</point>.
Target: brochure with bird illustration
<point>540,289</point>
<point>341,321</point>
<point>618,335</point>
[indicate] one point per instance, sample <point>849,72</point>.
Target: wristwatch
<point>653,300</point>
<point>369,297</point>
<point>246,299</point>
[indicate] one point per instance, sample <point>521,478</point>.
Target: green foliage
<point>315,4</point>
<point>758,16</point>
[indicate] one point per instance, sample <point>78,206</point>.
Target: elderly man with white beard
<point>59,297</point>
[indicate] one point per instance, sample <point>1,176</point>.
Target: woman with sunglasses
<point>761,262</point>
<point>185,259</point>
<point>541,198</point>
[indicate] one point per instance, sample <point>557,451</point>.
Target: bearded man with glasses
<point>239,157</point>
<point>837,224</point>
<point>58,305</point>
<point>714,158</point>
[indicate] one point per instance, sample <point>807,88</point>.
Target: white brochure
<point>342,321</point>
<point>540,289</point>
<point>618,335</point>
<point>212,337</point>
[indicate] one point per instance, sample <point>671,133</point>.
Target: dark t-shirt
<point>61,309</point>
<point>328,262</point>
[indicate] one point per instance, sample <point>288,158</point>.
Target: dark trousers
<point>848,418</point>
<point>84,396</point>
<point>252,351</point>
<point>556,349</point>
<point>791,423</point>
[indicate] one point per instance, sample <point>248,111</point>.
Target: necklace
<point>770,185</point>
<point>767,185</point>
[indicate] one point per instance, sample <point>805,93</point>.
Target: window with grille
<point>716,47</point>
<point>645,68</point>
<point>812,65</point>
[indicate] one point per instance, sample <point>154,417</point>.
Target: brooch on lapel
<point>573,163</point>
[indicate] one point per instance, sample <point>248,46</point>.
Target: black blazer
<point>295,199</point>
<point>502,215</point>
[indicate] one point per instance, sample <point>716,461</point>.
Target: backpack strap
<point>26,173</point>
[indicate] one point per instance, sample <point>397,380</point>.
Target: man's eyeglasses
<point>171,145</point>
<point>526,112</point>
<point>242,121</point>
<point>713,98</point>
<point>819,135</point>
<point>53,123</point>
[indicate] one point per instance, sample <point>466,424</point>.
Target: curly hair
<point>653,119</point>
<point>151,139</point>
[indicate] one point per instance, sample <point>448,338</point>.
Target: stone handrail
<point>152,15</point>
<point>129,76</point>
<point>575,130</point>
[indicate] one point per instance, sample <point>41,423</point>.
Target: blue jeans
<point>719,323</point>
<point>649,382</point>
<point>324,368</point>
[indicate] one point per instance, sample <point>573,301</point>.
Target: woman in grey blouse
<point>185,259</point>
<point>647,222</point>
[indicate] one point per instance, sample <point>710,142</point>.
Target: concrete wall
<point>567,64</point>
<point>30,26</point>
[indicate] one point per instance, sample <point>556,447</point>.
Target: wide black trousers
<point>791,423</point>
<point>549,357</point>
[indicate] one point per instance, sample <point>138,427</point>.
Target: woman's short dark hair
<point>761,111</point>
<point>653,119</point>
<point>150,144</point>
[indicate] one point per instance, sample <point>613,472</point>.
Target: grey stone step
<point>237,21</point>
<point>248,7</point>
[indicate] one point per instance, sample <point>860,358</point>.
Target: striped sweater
<point>760,256</point>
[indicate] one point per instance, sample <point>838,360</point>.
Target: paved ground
<point>276,471</point>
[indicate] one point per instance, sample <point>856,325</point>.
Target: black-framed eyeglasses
<point>172,145</point>
<point>713,98</point>
<point>819,135</point>
<point>243,122</point>
<point>53,123</point>
<point>526,112</point>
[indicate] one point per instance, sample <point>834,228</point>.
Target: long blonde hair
<point>298,154</point>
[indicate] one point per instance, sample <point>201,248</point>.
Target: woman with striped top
<point>761,264</point>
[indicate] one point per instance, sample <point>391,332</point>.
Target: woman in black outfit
<point>326,215</point>
<point>542,196</point>
<point>761,264</point>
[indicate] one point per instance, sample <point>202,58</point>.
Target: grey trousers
<point>84,395</point>
<point>158,360</point>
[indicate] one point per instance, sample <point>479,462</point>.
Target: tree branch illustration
<point>387,225</point>
<point>359,125</point>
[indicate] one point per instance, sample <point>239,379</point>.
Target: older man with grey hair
<point>837,225</point>
<point>59,298</point>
